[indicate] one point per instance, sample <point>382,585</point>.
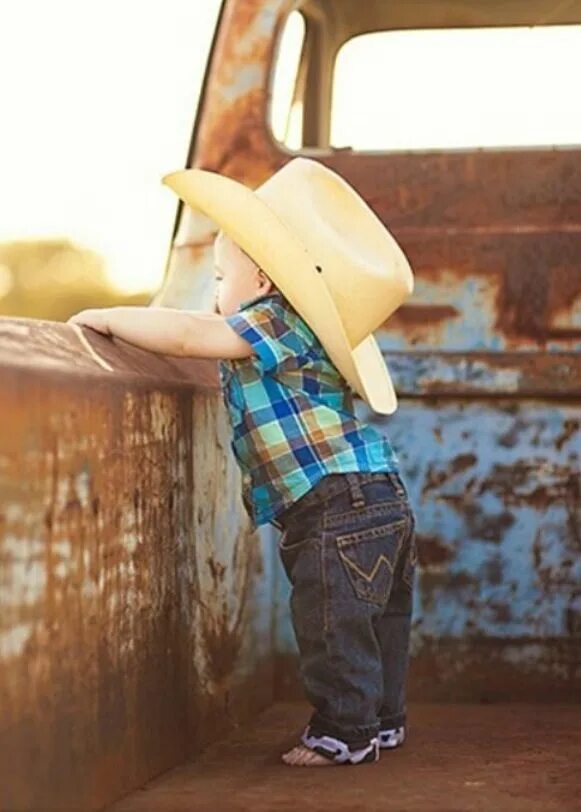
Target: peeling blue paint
<point>245,80</point>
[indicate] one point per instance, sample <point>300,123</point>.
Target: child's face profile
<point>238,278</point>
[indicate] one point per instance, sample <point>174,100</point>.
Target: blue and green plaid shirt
<point>291,411</point>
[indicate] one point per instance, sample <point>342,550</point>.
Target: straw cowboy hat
<point>324,249</point>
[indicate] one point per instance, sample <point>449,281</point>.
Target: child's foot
<point>301,756</point>
<point>390,738</point>
<point>322,751</point>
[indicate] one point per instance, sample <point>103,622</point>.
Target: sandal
<point>391,738</point>
<point>339,752</point>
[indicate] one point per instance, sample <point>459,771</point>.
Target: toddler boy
<point>327,480</point>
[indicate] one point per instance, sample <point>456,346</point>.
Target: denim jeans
<point>348,549</point>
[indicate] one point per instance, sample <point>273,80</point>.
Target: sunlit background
<point>99,101</point>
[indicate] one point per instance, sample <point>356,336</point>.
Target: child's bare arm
<point>168,331</point>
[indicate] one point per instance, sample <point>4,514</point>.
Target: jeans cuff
<point>390,722</point>
<point>354,737</point>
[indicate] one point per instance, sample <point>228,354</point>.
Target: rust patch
<point>486,526</point>
<point>570,428</point>
<point>217,569</point>
<point>437,583</point>
<point>493,572</point>
<point>479,192</point>
<point>436,477</point>
<point>541,289</point>
<point>501,613</point>
<point>512,483</point>
<point>223,646</point>
<point>233,137</point>
<point>511,437</point>
<point>420,314</point>
<point>223,632</point>
<point>550,375</point>
<point>462,462</point>
<point>564,295</point>
<point>432,551</point>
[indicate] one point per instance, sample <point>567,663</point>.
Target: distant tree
<point>52,279</point>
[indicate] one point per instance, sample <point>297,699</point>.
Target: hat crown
<point>366,272</point>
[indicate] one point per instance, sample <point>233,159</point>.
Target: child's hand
<point>94,317</point>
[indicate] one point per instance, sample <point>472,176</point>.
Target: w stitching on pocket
<point>368,582</point>
<point>368,577</point>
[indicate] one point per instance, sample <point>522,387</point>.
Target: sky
<point>460,88</point>
<point>98,102</point>
<point>99,99</point>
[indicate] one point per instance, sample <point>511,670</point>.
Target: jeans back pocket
<point>370,557</point>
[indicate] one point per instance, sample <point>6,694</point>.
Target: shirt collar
<point>248,302</point>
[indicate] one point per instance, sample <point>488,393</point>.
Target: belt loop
<point>355,492</point>
<point>396,482</point>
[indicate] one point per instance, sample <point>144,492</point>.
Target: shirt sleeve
<point>275,342</point>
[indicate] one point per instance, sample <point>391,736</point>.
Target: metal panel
<point>134,611</point>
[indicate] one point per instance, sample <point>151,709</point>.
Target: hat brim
<point>251,223</point>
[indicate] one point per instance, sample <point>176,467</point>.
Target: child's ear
<point>264,281</point>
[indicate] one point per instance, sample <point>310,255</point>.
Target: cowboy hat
<point>324,249</point>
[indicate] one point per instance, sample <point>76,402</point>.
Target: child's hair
<point>221,235</point>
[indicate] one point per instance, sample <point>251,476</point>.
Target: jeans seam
<point>326,613</point>
<point>325,591</point>
<point>297,545</point>
<point>409,540</point>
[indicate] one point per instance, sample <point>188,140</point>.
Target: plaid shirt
<point>291,411</point>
